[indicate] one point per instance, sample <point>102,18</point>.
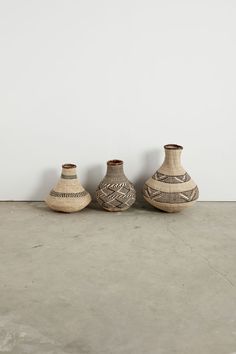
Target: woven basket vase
<point>68,195</point>
<point>115,192</point>
<point>171,188</point>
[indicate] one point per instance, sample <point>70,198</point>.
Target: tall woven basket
<point>171,188</point>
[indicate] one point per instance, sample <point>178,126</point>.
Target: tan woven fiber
<point>171,188</point>
<point>68,195</point>
<point>115,192</point>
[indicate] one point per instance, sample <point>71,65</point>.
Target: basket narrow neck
<point>68,173</point>
<point>115,170</point>
<point>172,158</point>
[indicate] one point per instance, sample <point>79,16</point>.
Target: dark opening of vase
<point>68,165</point>
<point>114,162</point>
<point>173,147</point>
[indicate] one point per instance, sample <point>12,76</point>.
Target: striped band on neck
<point>68,176</point>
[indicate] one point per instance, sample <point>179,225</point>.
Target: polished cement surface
<point>137,282</point>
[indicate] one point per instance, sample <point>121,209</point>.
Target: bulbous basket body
<point>68,195</point>
<point>171,189</point>
<point>115,192</point>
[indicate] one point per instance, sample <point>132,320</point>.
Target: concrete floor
<point>138,282</point>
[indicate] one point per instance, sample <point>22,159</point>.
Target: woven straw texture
<point>115,192</point>
<point>68,195</point>
<point>171,188</point>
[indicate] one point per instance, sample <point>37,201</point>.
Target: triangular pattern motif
<point>172,198</point>
<point>171,179</point>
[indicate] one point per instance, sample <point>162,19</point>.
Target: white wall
<point>87,81</point>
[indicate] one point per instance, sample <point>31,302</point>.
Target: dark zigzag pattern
<point>172,198</point>
<point>171,179</point>
<point>118,196</point>
<point>67,195</point>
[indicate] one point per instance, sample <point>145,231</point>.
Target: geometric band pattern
<point>68,195</point>
<point>115,196</point>
<point>68,176</point>
<point>171,197</point>
<point>171,179</point>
